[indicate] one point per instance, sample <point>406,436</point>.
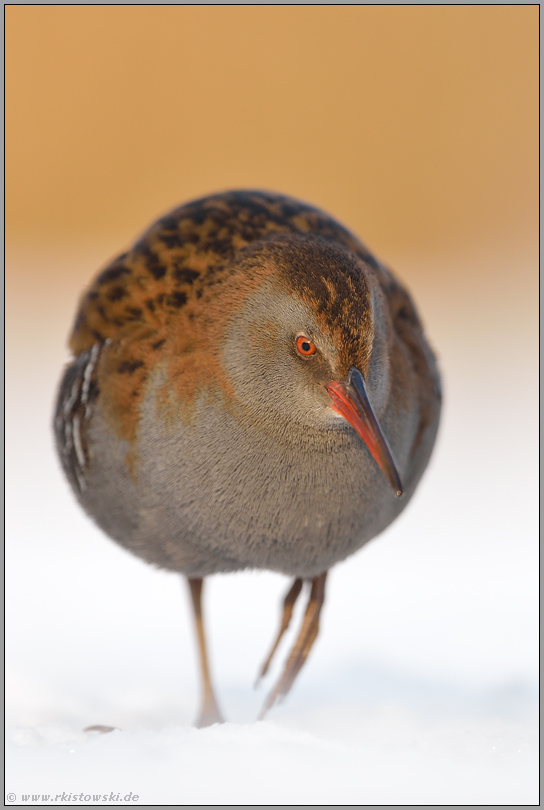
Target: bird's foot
<point>209,714</point>
<point>288,604</point>
<point>303,645</point>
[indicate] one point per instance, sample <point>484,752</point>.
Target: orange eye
<point>305,346</point>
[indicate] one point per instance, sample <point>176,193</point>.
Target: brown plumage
<point>199,422</point>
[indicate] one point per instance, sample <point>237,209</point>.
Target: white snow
<point>421,688</point>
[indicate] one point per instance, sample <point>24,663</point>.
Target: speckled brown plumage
<point>168,282</point>
<point>197,433</point>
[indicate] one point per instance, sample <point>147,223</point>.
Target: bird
<point>250,388</point>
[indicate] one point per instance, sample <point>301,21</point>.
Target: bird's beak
<point>350,400</point>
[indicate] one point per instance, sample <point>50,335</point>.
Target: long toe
<point>288,604</point>
<point>303,644</point>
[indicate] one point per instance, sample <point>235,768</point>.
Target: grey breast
<point>216,494</point>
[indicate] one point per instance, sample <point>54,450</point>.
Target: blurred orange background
<point>415,125</point>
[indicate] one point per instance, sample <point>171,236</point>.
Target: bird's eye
<point>305,346</point>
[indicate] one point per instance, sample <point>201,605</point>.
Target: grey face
<point>285,372</point>
<point>270,377</point>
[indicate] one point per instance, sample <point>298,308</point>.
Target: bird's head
<point>310,344</point>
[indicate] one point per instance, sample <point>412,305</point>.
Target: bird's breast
<point>291,500</point>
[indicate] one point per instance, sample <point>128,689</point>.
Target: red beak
<point>350,400</point>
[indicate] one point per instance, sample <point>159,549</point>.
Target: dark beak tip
<point>356,391</point>
<point>396,486</point>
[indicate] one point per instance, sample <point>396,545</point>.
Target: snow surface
<point>421,688</point>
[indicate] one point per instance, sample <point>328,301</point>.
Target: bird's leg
<point>209,710</point>
<point>303,645</point>
<point>288,604</point>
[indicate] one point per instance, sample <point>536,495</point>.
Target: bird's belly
<point>216,495</point>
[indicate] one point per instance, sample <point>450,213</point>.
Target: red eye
<point>305,346</point>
